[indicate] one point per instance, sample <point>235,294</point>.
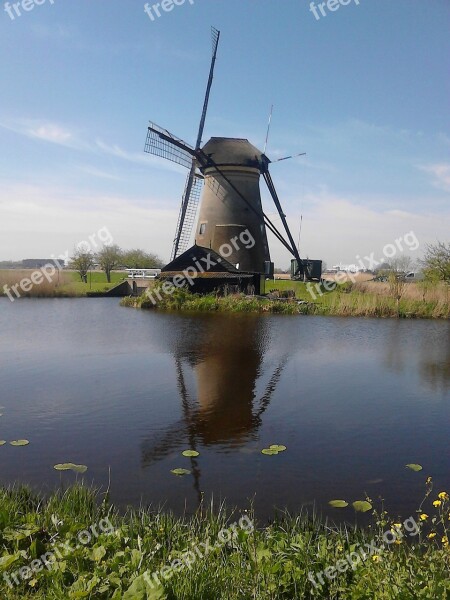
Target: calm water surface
<point>354,400</point>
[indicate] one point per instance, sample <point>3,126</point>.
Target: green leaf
<point>414,467</point>
<point>191,453</point>
<point>20,443</point>
<point>180,472</point>
<point>98,553</point>
<point>362,506</point>
<point>2,442</point>
<point>140,590</point>
<point>269,452</point>
<point>338,503</point>
<point>278,448</point>
<point>7,560</point>
<point>70,467</point>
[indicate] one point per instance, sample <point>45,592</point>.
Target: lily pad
<point>362,506</point>
<point>2,442</point>
<point>269,451</point>
<point>190,453</point>
<point>414,467</point>
<point>20,443</point>
<point>70,467</point>
<point>180,472</point>
<point>338,503</point>
<point>278,448</point>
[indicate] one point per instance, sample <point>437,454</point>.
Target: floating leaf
<point>269,452</point>
<point>70,467</point>
<point>180,472</point>
<point>20,443</point>
<point>362,506</point>
<point>278,448</point>
<point>414,467</point>
<point>338,503</point>
<point>190,453</point>
<point>2,442</point>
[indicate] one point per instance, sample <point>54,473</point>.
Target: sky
<point>363,90</point>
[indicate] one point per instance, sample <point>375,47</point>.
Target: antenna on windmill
<point>268,128</point>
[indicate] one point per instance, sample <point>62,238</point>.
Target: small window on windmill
<point>202,228</point>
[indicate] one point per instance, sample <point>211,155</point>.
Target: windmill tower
<point>224,179</point>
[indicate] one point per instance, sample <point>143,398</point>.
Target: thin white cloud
<point>45,131</point>
<point>441,175</point>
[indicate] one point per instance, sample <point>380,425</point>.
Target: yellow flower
<point>397,525</point>
<point>437,503</point>
<point>340,548</point>
<point>445,540</point>
<point>424,517</point>
<point>443,496</point>
<point>431,536</point>
<point>398,542</point>
<point>376,558</point>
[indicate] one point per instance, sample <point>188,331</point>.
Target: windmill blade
<point>192,191</point>
<point>188,212</point>
<point>288,157</point>
<point>273,193</point>
<point>162,143</point>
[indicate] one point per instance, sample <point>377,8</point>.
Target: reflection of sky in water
<point>353,399</point>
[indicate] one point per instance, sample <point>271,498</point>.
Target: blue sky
<point>364,91</point>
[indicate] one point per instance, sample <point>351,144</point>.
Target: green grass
<point>251,561</point>
<point>66,284</point>
<point>345,300</point>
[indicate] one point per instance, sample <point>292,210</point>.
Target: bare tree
<point>397,278</point>
<point>81,261</point>
<point>436,262</point>
<point>109,258</point>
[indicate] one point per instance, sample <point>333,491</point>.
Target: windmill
<point>224,179</point>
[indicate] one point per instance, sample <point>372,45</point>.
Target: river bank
<point>75,544</point>
<point>365,299</point>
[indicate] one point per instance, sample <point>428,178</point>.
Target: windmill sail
<point>162,143</point>
<point>191,196</point>
<point>186,218</point>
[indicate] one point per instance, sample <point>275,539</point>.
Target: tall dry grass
<point>58,286</point>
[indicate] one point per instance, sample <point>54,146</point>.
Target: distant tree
<point>109,258</point>
<point>81,261</point>
<point>436,262</point>
<point>139,259</point>
<point>397,277</point>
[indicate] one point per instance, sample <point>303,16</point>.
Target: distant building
<point>38,263</point>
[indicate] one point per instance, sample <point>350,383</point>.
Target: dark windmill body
<point>223,188</point>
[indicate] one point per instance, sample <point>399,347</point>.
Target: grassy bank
<point>63,284</point>
<point>360,299</point>
<point>94,552</point>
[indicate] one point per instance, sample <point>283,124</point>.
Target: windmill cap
<point>234,151</point>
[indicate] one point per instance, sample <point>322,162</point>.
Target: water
<point>126,391</point>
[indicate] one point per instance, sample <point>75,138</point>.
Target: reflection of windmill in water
<point>218,375</point>
<point>223,187</point>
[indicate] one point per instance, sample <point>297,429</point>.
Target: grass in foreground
<point>230,556</point>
